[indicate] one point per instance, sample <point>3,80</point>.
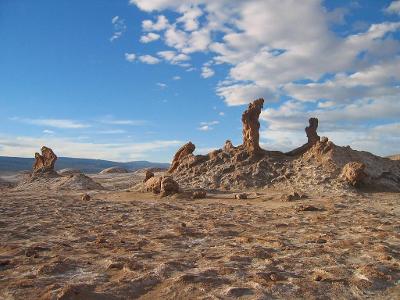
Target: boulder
<point>169,186</point>
<point>241,196</point>
<point>149,174</point>
<point>251,126</point>
<point>153,185</point>
<point>85,197</point>
<point>199,194</point>
<point>184,151</point>
<point>44,163</point>
<point>353,173</point>
<point>114,170</point>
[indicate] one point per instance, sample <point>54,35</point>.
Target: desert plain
<point>319,222</point>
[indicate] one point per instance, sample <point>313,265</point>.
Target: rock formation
<point>184,151</point>
<point>162,185</point>
<point>353,173</point>
<point>149,174</point>
<point>44,163</point>
<point>312,136</point>
<point>251,126</point>
<point>169,186</point>
<point>114,170</point>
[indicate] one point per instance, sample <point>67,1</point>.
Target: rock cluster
<point>165,186</point>
<point>312,136</point>
<point>44,163</point>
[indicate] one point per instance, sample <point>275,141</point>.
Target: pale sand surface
<point>127,245</point>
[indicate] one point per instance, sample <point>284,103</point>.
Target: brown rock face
<point>312,136</point>
<point>353,173</point>
<point>184,151</point>
<point>153,185</point>
<point>251,126</point>
<point>311,131</point>
<point>44,162</point>
<point>169,186</point>
<point>148,175</point>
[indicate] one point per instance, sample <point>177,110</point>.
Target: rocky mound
<point>114,170</point>
<point>43,176</point>
<point>319,165</point>
<point>78,182</point>
<point>69,172</point>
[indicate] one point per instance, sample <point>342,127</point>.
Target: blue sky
<point>128,80</point>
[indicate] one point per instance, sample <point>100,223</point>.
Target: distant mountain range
<point>15,164</point>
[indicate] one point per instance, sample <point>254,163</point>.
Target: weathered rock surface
<point>251,126</point>
<point>153,185</point>
<point>199,194</point>
<point>169,186</point>
<point>69,172</point>
<point>149,174</point>
<point>353,173</point>
<point>85,197</point>
<point>316,166</point>
<point>162,185</point>
<point>312,136</point>
<point>44,163</point>
<point>183,152</point>
<point>114,170</point>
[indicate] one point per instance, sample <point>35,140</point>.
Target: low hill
<point>16,164</point>
<point>394,157</point>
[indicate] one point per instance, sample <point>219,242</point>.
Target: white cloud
<point>56,123</point>
<point>148,59</point>
<point>161,85</point>
<point>394,7</point>
<point>130,57</point>
<point>112,131</point>
<point>119,28</point>
<point>207,126</point>
<point>176,78</point>
<point>160,24</point>
<point>221,113</point>
<point>112,121</point>
<point>150,37</point>
<point>47,131</point>
<point>173,57</point>
<point>207,72</point>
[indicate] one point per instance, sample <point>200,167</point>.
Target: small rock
<point>85,197</point>
<point>306,208</point>
<point>241,196</point>
<point>200,194</point>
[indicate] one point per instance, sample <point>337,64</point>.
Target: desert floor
<point>127,245</point>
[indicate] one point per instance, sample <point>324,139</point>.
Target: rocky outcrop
<point>153,185</point>
<point>149,174</point>
<point>164,186</point>
<point>114,170</point>
<point>251,126</point>
<point>354,173</point>
<point>183,152</point>
<point>312,136</point>
<point>69,172</point>
<point>169,186</point>
<point>44,163</point>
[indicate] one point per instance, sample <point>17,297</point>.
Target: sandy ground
<point>128,245</point>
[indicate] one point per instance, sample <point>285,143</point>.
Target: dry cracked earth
<point>129,245</point>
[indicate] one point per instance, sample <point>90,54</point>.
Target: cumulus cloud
<point>149,59</point>
<point>130,57</point>
<point>173,57</point>
<point>393,8</point>
<point>160,24</point>
<point>207,72</point>
<point>207,126</point>
<point>150,37</point>
<point>287,52</point>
